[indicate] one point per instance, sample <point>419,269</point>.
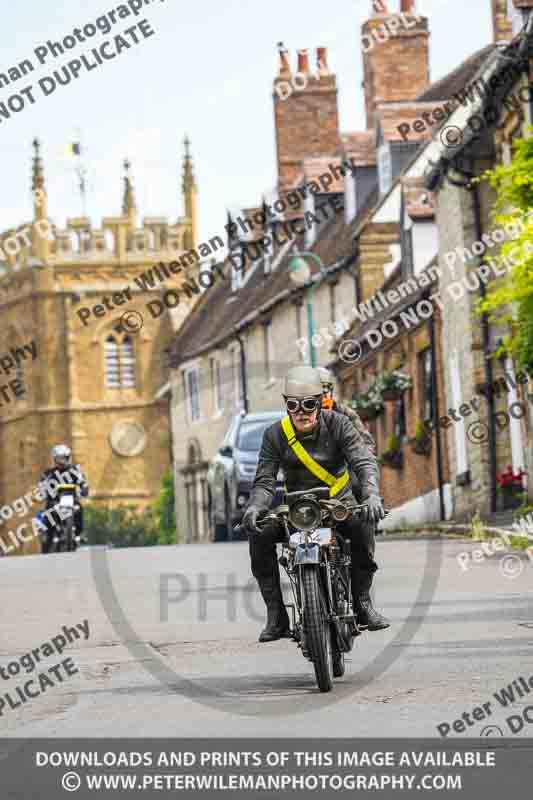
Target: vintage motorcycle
<point>317,560</point>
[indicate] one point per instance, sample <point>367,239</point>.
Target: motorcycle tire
<point>338,664</point>
<point>69,535</point>
<point>316,629</point>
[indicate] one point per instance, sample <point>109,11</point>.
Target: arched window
<point>112,363</point>
<point>127,363</point>
<point>119,362</point>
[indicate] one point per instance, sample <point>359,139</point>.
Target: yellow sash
<point>335,484</point>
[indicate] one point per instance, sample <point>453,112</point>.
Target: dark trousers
<point>264,562</point>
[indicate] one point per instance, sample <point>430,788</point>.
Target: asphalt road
<point>172,647</point>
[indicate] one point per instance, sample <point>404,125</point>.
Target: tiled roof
<point>392,115</point>
<point>458,78</point>
<point>220,310</point>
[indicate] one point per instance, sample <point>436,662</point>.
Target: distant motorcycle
<point>317,560</point>
<point>66,538</point>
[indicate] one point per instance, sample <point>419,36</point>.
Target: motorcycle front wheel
<point>69,535</point>
<point>316,629</point>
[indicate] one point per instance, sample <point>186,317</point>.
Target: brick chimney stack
<point>501,24</point>
<point>305,112</point>
<point>395,56</point>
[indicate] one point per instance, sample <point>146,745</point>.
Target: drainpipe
<point>485,329</point>
<point>244,383</point>
<point>436,415</point>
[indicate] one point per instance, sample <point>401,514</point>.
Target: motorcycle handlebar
<point>270,517</point>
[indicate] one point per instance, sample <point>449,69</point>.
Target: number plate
<point>322,536</point>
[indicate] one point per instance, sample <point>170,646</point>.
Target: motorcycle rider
<point>329,403</point>
<point>63,471</point>
<point>332,442</point>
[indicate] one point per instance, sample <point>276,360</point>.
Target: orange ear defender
<point>327,400</point>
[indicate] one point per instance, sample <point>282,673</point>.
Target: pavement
<point>172,647</point>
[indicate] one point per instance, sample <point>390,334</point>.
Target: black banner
<point>388,768</point>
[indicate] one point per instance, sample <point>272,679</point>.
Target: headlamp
<point>305,514</point>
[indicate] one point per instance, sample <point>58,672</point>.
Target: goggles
<point>306,404</point>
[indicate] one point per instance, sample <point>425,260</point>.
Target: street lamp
<point>300,274</point>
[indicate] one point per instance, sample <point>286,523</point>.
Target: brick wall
<point>419,474</point>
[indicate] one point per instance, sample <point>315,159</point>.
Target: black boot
<point>277,626</point>
<point>367,616</point>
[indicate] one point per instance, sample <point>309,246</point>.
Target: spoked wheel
<point>316,629</point>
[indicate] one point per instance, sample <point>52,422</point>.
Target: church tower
<point>83,354</point>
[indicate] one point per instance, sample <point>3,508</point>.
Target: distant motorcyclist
<point>333,444</point>
<point>63,471</point>
<point>329,403</point>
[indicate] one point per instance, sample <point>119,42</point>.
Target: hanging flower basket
<point>393,455</point>
<point>392,384</point>
<point>369,413</point>
<point>421,447</point>
<point>392,458</point>
<point>421,441</point>
<point>368,405</point>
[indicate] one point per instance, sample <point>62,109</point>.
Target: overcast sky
<point>207,72</point>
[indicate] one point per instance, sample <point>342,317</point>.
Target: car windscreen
<point>251,434</point>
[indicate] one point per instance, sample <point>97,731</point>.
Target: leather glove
<point>374,509</point>
<point>249,520</point>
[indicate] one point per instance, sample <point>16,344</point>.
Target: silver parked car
<point>232,471</point>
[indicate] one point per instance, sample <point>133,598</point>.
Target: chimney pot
<point>408,6</point>
<point>322,57</point>
<point>303,61</point>
<point>379,7</point>
<point>284,65</point>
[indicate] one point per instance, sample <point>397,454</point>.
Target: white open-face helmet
<point>61,455</point>
<point>327,378</point>
<point>302,382</point>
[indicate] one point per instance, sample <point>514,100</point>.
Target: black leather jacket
<point>334,443</point>
<point>70,474</point>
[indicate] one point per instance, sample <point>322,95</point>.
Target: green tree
<point>126,526</point>
<point>165,510</point>
<point>122,526</point>
<point>510,300</point>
